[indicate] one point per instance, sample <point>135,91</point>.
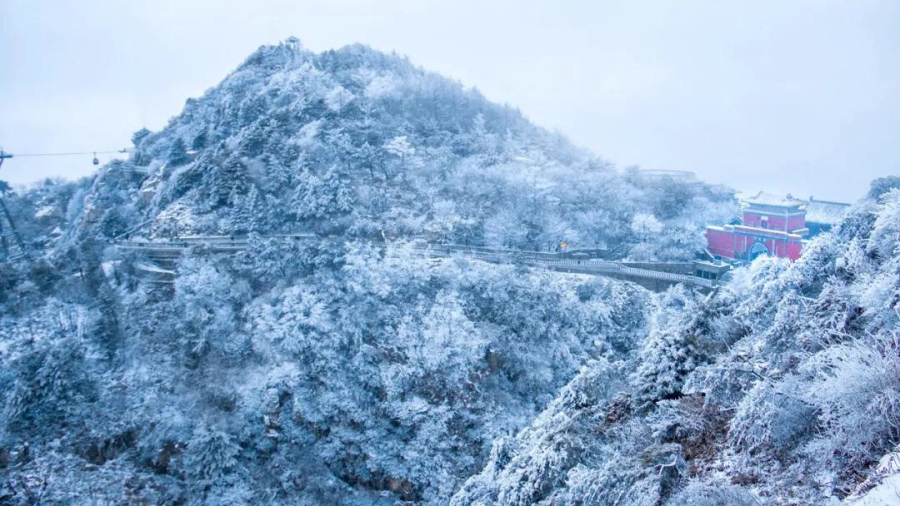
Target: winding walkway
<point>164,254</point>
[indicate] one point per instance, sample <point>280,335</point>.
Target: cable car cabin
<point>96,160</point>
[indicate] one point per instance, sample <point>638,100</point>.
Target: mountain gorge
<point>351,370</point>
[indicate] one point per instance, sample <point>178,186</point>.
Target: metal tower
<point>11,246</point>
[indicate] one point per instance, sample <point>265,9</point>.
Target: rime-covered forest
<point>352,370</point>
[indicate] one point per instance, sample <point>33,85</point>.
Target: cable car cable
<point>16,155</point>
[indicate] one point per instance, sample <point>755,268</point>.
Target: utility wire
<point>17,155</point>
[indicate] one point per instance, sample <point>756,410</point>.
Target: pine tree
<point>178,153</point>
<point>249,211</point>
<point>210,455</point>
<point>670,352</point>
<point>52,383</point>
<point>200,140</point>
<point>226,181</point>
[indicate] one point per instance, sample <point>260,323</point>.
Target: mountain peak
<point>361,143</point>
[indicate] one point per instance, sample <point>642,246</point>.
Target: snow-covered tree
<point>178,153</point>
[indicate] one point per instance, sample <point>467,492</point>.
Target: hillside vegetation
<point>783,388</point>
<point>350,370</point>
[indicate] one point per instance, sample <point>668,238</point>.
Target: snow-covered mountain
<point>358,143</point>
<point>349,370</point>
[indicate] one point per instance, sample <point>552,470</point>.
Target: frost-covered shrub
<point>855,389</point>
<point>885,237</point>
<point>879,298</point>
<point>209,301</point>
<point>771,418</point>
<point>52,383</point>
<point>536,465</point>
<point>700,494</point>
<point>883,185</point>
<point>211,454</point>
<point>830,318</point>
<point>670,352</point>
<point>619,480</point>
<point>757,288</point>
<point>698,426</point>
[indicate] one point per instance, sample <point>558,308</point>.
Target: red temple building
<point>772,225</point>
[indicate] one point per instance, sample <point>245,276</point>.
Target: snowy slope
<point>782,389</point>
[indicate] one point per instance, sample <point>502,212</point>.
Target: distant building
<point>773,225</point>
<point>821,215</point>
<point>677,176</point>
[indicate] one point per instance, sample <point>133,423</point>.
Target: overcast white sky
<point>798,96</point>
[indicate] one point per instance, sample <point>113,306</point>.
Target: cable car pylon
<point>12,247</point>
